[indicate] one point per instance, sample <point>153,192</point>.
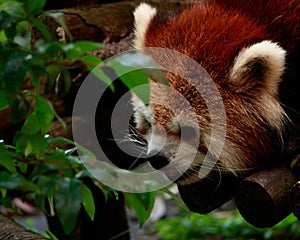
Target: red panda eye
<point>188,132</point>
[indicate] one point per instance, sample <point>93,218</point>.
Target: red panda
<point>251,51</point>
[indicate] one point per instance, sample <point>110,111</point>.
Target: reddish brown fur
<point>213,34</point>
<point>281,18</point>
<point>197,36</point>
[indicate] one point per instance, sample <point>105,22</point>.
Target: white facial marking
<point>157,140</point>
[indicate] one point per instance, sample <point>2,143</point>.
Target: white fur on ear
<point>260,64</point>
<point>143,14</point>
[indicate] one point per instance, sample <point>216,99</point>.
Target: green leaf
<point>14,8</point>
<point>91,61</point>
<point>50,199</point>
<point>27,144</point>
<point>6,19</point>
<point>53,71</point>
<point>34,79</point>
<point>11,32</point>
<point>142,203</point>
<point>86,152</point>
<point>47,186</point>
<point>87,46</point>
<point>72,54</point>
<point>38,143</point>
<point>67,80</point>
<point>60,120</point>
<point>46,183</point>
<point>58,156</point>
<point>70,151</point>
<point>6,160</point>
<point>45,114</point>
<point>50,235</point>
<point>53,51</point>
<point>19,109</point>
<point>134,69</point>
<point>40,119</point>
<point>3,192</point>
<point>88,201</point>
<point>60,140</point>
<point>137,82</point>
<point>100,74</point>
<point>23,38</point>
<point>22,166</point>
<point>47,52</point>
<point>31,125</point>
<point>33,7</point>
<point>24,146</point>
<point>67,202</point>
<point>59,17</point>
<point>139,61</point>
<point>76,50</point>
<point>15,71</point>
<point>42,27</point>
<point>17,182</point>
<point>3,99</point>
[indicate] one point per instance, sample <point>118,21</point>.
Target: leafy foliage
<point>141,203</point>
<point>197,226</point>
<point>29,166</point>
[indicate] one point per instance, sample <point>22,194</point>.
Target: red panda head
<point>246,69</point>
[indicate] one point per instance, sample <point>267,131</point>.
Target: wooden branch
<point>50,4</point>
<point>264,198</point>
<point>13,231</point>
<point>209,193</point>
<point>109,22</point>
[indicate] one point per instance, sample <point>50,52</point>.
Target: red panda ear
<point>143,14</point>
<point>258,67</point>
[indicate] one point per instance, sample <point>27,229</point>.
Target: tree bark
<point>210,193</point>
<point>109,22</point>
<point>10,230</point>
<point>264,198</point>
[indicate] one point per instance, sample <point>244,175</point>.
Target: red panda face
<point>170,126</point>
<point>178,124</point>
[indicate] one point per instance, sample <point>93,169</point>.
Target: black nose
<point>158,160</point>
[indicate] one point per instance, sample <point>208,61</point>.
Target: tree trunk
<point>10,230</point>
